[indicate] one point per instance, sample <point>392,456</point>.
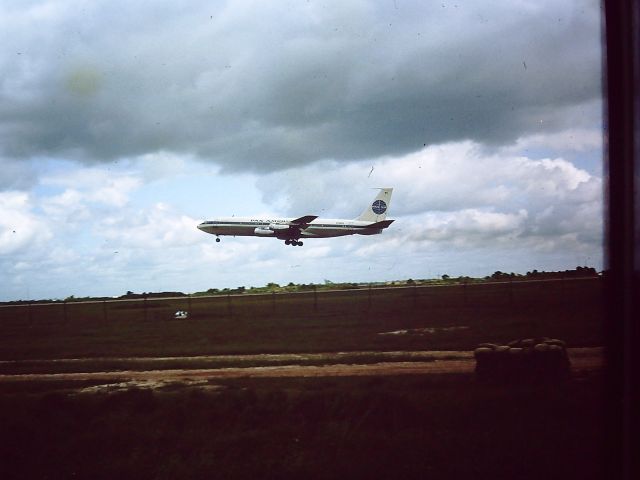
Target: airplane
<point>371,222</point>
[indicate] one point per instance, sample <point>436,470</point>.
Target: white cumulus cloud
<point>20,228</point>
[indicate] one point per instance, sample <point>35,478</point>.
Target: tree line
<point>272,287</point>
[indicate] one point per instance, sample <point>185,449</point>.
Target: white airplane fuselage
<point>318,228</point>
<point>372,221</point>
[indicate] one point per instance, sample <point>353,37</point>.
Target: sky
<point>125,124</point>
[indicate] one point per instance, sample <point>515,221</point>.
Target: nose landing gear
<point>217,239</point>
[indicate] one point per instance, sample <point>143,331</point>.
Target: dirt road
<point>582,359</point>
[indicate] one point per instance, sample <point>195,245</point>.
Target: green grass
<point>330,322</point>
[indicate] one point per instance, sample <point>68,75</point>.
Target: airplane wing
<point>303,222</point>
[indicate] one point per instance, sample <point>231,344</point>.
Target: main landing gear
<point>217,239</point>
<point>295,243</point>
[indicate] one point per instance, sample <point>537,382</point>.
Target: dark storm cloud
<point>259,86</point>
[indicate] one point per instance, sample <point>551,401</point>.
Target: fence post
<point>146,314</point>
<point>189,303</point>
<point>369,299</point>
<point>104,310</point>
<point>229,307</point>
<point>64,309</point>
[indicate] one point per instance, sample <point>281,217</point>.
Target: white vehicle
<point>371,222</point>
<point>181,315</point>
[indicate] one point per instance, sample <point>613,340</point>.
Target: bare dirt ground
<point>582,359</point>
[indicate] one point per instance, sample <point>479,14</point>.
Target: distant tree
<point>445,277</point>
<point>411,282</point>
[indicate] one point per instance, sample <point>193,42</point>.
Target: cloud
<point>92,240</point>
<point>458,195</point>
<point>458,208</point>
<point>572,139</point>
<point>157,228</point>
<point>96,185</point>
<point>444,177</point>
<point>16,174</point>
<point>20,229</point>
<point>262,86</point>
<point>121,122</point>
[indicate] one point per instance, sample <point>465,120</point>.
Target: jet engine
<point>263,231</point>
<point>278,226</point>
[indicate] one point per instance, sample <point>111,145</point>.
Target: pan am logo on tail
<point>379,207</point>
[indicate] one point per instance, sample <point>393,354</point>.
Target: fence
<point>370,299</point>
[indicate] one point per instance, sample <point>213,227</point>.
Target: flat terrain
<point>315,365</point>
<point>410,426</point>
<point>355,384</point>
<point>452,317</point>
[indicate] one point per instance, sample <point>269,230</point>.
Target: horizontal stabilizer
<point>382,224</point>
<point>303,220</point>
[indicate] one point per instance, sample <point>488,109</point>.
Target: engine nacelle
<point>278,226</point>
<point>263,231</point>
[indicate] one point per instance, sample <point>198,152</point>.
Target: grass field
<point>459,317</point>
<point>448,426</point>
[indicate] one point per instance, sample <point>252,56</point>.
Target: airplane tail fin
<point>377,210</point>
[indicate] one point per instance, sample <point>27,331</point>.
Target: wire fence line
<point>509,294</point>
